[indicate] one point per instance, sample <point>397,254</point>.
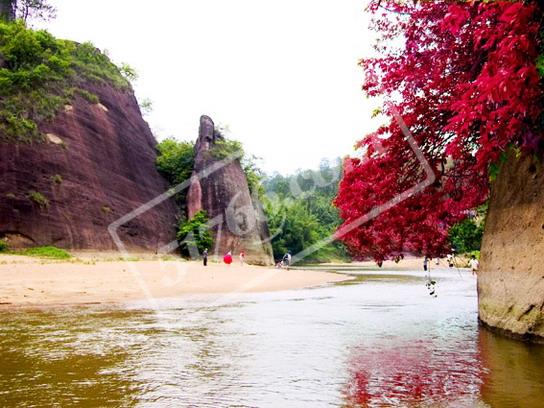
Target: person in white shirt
<point>474,264</point>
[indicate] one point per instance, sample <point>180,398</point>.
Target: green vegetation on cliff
<point>194,233</point>
<point>39,74</point>
<point>175,161</point>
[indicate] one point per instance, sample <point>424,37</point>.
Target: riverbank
<point>406,264</point>
<point>36,282</point>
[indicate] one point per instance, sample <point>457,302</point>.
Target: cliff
<point>237,220</point>
<point>96,164</point>
<point>511,280</point>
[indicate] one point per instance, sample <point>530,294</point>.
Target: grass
<point>56,179</point>
<point>39,198</point>
<point>49,252</point>
<point>88,96</point>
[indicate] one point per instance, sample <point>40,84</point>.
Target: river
<point>379,341</point>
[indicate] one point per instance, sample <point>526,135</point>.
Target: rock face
<point>511,280</point>
<point>237,220</point>
<point>97,164</point>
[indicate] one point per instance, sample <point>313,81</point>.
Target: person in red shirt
<point>228,258</point>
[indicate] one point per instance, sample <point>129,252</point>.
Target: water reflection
<point>514,372</point>
<point>381,342</point>
<point>417,373</point>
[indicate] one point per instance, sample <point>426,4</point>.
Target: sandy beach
<point>35,282</point>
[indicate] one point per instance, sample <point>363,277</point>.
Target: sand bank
<point>30,281</point>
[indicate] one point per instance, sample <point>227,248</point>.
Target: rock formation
<point>511,280</point>
<point>98,164</point>
<point>237,220</point>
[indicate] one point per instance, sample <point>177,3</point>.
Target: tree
<point>194,235</point>
<point>300,212</point>
<point>466,84</point>
<point>175,161</point>
<point>34,9</point>
<point>7,10</point>
<point>26,9</point>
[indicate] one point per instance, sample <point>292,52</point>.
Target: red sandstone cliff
<point>98,164</point>
<point>237,220</point>
<point>511,282</point>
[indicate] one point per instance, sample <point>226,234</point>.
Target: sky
<point>281,75</point>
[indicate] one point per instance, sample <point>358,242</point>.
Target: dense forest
<point>301,213</point>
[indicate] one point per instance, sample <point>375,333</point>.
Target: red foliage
<point>468,87</point>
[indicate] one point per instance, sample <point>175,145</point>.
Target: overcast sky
<point>282,74</point>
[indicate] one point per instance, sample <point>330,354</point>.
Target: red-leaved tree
<point>463,77</point>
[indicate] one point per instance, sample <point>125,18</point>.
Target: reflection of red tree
<point>414,373</point>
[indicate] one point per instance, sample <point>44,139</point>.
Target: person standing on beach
<point>287,259</point>
<point>425,263</point>
<point>228,258</point>
<point>242,258</point>
<point>450,260</point>
<point>474,264</point>
<point>205,257</point>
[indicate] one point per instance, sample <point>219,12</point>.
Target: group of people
<point>227,258</point>
<point>473,263</point>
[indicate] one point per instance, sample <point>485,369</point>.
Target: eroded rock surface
<point>511,282</point>
<point>237,220</point>
<point>97,164</point>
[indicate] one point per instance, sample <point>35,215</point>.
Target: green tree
<point>175,161</point>
<point>466,236</point>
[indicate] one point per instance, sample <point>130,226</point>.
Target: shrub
<point>466,236</point>
<point>3,245</point>
<point>175,161</point>
<point>224,148</point>
<point>194,234</point>
<point>39,198</point>
<point>57,179</point>
<point>128,72</point>
<point>46,252</point>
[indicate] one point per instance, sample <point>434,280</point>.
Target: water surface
<point>379,341</point>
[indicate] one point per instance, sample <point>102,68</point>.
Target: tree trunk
<point>511,280</point>
<point>7,10</point>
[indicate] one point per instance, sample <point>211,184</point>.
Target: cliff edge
<point>75,152</point>
<point>511,280</point>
